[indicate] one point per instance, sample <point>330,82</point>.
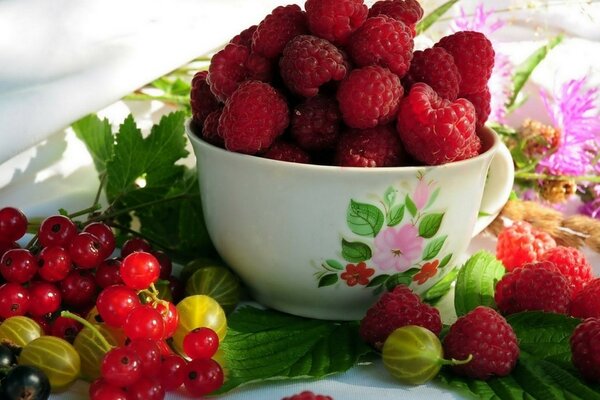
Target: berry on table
<point>13,224</point>
<point>308,395</point>
<point>25,382</point>
<point>522,243</point>
<point>14,300</point>
<point>149,354</point>
<point>121,367</point>
<point>145,389</point>
<point>201,343</point>
<point>18,265</point>
<point>586,303</point>
<point>585,349</point>
<point>144,321</point>
<point>172,372</point>
<point>203,376</point>
<point>139,270</point>
<point>114,304</point>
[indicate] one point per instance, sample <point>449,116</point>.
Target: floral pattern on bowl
<point>396,241</point>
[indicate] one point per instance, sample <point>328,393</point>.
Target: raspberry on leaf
<point>585,349</point>
<point>586,303</point>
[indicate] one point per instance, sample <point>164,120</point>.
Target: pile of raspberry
<point>339,83</point>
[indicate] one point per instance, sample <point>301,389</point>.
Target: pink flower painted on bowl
<point>421,194</point>
<point>397,248</point>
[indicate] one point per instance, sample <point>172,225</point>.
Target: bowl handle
<point>498,186</point>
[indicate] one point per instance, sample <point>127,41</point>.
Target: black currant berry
<point>24,382</point>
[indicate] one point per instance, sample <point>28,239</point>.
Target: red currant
<point>100,390</point>
<point>86,250</point>
<point>45,298</point>
<point>166,266</point>
<point>139,270</point>
<point>114,304</point>
<point>200,343</point>
<point>78,289</point>
<point>104,234</point>
<point>146,389</point>
<point>6,246</point>
<point>172,372</point>
<point>14,300</point>
<point>54,263</point>
<point>57,230</point>
<point>203,376</point>
<point>134,245</point>
<point>170,317</point>
<point>108,274</point>
<point>144,322</point>
<point>13,224</point>
<point>43,321</point>
<point>18,265</point>
<point>121,367</point>
<point>149,353</point>
<point>65,328</point>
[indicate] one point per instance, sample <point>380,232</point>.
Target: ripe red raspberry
<point>307,395</point>
<point>533,287</point>
<point>277,29</point>
<point>395,309</point>
<point>253,117</point>
<point>482,103</point>
<point>315,123</point>
<point>202,101</point>
<point>382,41</point>
<point>335,20</point>
<point>572,264</point>
<point>484,334</point>
<point>473,55</point>
<point>308,62</point>
<point>244,38</point>
<point>407,11</point>
<point>285,151</point>
<point>369,96</point>
<point>521,243</point>
<point>435,130</point>
<point>586,303</point>
<point>373,147</point>
<point>585,349</point>
<point>259,68</point>
<point>227,70</point>
<point>436,68</point>
<point>210,129</point>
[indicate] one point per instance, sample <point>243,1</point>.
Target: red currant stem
<point>99,191</point>
<point>112,214</point>
<point>456,362</point>
<point>136,233</point>
<point>89,325</point>
<point>95,207</point>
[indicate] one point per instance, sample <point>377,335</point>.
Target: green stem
<point>87,324</point>
<point>91,209</point>
<point>103,178</point>
<point>181,100</point>
<point>457,362</point>
<point>127,210</point>
<point>531,176</point>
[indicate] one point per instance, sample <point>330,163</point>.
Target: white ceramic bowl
<point>320,241</point>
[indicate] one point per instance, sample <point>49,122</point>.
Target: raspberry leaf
<point>355,251</point>
<point>267,345</point>
<point>476,282</point>
<point>430,224</point>
<point>364,219</point>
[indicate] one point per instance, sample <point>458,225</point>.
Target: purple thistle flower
<point>480,21</point>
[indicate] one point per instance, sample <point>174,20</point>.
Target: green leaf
<point>355,251</point>
<point>389,196</point>
<point>378,280</point>
<point>402,278</point>
<point>433,197</point>
<point>152,158</point>
<point>524,71</point>
<point>433,248</point>
<point>335,264</point>
<point>430,224</point>
<point>476,282</point>
<point>364,219</point>
<point>410,205</point>
<point>440,288</point>
<point>396,215</point>
<point>436,14</point>
<point>328,280</point>
<point>445,260</point>
<point>266,345</point>
<point>97,136</point>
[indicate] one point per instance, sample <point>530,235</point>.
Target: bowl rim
<point>492,136</point>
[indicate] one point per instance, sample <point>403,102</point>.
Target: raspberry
<point>482,103</point>
<point>382,41</point>
<point>373,147</point>
<point>315,123</point>
<point>586,303</point>
<point>533,287</point>
<point>227,70</point>
<point>436,68</point>
<point>244,38</point>
<point>307,395</point>
<point>484,334</point>
<point>335,20</point>
<point>210,129</point>
<point>435,130</point>
<point>585,349</point>
<point>407,11</point>
<point>369,96</point>
<point>521,243</point>
<point>308,62</point>
<point>473,55</point>
<point>285,151</point>
<point>202,101</point>
<point>572,264</point>
<point>395,309</point>
<point>277,29</point>
<point>253,117</point>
